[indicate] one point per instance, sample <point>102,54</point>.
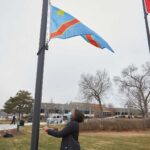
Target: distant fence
<point>115,125</point>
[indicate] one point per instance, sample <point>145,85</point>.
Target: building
<point>89,109</point>
<point>127,111</point>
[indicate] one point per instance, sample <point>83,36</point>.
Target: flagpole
<point>39,78</point>
<point>146,24</point>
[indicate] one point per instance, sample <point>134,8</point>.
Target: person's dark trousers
<point>13,121</point>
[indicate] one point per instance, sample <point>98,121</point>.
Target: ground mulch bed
<point>10,131</point>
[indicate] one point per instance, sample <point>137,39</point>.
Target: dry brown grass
<point>116,125</point>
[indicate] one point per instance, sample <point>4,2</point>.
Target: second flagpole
<point>146,24</point>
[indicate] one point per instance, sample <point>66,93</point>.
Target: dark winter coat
<point>69,136</point>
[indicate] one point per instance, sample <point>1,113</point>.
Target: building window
<point>66,111</point>
<point>86,112</point>
<point>57,111</point>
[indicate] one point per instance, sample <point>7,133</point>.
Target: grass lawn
<point>89,141</point>
<point>5,121</point>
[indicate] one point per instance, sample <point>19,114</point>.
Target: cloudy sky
<point>120,22</point>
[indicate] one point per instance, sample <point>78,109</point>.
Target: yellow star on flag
<point>60,12</point>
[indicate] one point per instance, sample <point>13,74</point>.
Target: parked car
<point>55,119</point>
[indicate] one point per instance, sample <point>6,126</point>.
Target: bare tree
<point>136,85</point>
<point>95,87</point>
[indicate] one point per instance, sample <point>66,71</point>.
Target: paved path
<point>12,126</point>
<point>7,127</point>
<point>30,123</point>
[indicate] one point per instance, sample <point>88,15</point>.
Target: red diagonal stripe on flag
<point>64,27</point>
<point>92,41</point>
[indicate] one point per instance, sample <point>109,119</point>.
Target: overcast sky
<point>119,22</point>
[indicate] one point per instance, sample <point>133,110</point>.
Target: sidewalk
<point>12,126</point>
<point>7,127</point>
<point>30,123</point>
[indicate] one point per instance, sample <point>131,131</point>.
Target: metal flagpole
<point>146,24</point>
<point>39,78</point>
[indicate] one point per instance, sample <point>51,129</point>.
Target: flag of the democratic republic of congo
<point>63,26</point>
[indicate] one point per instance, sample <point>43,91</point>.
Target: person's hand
<point>53,128</point>
<point>45,129</point>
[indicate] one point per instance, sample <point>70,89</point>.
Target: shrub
<point>115,125</point>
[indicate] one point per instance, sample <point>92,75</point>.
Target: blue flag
<point>63,26</point>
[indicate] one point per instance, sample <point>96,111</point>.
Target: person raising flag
<point>70,133</point>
